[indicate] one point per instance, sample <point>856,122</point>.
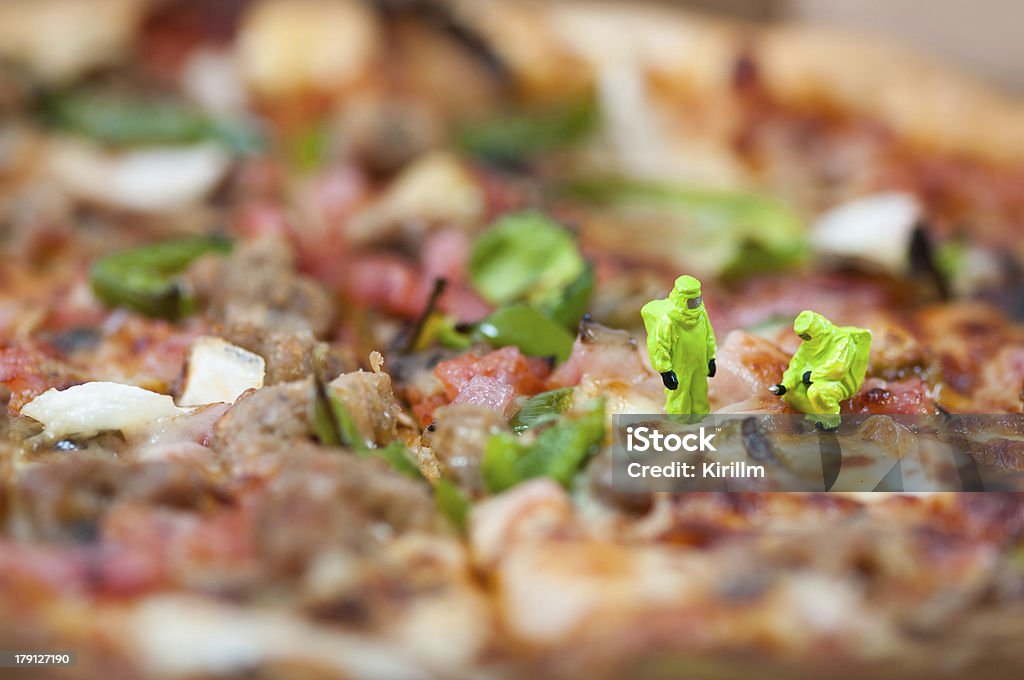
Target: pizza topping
<point>58,43</point>
<point>571,306</point>
<point>601,353</point>
<point>368,399</point>
<point>446,255</point>
<point>533,267</point>
<point>964,338</point>
<point>265,420</point>
<point>489,393</point>
<point>526,328</point>
<point>181,543</point>
<point>1002,382</point>
<point>387,282</point>
<point>120,122</point>
<point>386,131</point>
<point>732,233</point>
<point>507,365</point>
<point>435,190</point>
<point>748,366</point>
<point>334,424</point>
<point>141,351</point>
<point>524,256</point>
<point>155,180</point>
<point>95,407</point>
<point>876,229</point>
<point>557,451</point>
<point>292,48</point>
<point>542,408</point>
<point>911,395</point>
<point>289,355</point>
<point>116,120</point>
<point>64,500</point>
<point>220,372</point>
<point>319,501</point>
<point>529,513</point>
<point>376,361</point>
<point>510,140</point>
<point>458,441</point>
<point>258,286</point>
<point>145,279</point>
<point>430,324</point>
<point>452,502</point>
<point>186,438</point>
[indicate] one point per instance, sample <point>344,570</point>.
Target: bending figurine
<point>828,367</point>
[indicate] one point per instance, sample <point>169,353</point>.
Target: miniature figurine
<point>828,367</point>
<point>681,345</point>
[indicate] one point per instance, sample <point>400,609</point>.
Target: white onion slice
<point>96,407</point>
<point>875,229</point>
<point>152,180</point>
<point>220,372</point>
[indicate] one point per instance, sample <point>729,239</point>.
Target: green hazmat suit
<point>680,339</point>
<point>837,359</point>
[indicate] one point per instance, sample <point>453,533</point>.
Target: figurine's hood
<point>812,324</point>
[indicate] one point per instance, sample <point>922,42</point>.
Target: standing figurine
<point>828,367</point>
<point>681,345</point>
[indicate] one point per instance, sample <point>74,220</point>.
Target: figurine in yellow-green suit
<point>829,366</point>
<point>681,345</point>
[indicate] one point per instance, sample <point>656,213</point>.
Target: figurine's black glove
<point>777,390</point>
<point>670,380</point>
<point>807,377</point>
<point>712,369</point>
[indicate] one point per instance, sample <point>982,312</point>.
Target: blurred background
<point>981,36</point>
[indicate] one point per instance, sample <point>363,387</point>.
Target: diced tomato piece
<point>328,200</point>
<point>489,393</point>
<point>387,283</point>
<point>508,365</point>
<point>445,255</point>
<point>463,303</point>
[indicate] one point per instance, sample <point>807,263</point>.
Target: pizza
<point>315,316</point>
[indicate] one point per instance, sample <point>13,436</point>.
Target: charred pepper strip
<point>452,502</point>
<point>120,120</point>
<point>542,408</point>
<point>513,138</point>
<point>557,452</point>
<point>145,279</point>
<point>760,233</point>
<point>529,330</point>
<point>524,256</point>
